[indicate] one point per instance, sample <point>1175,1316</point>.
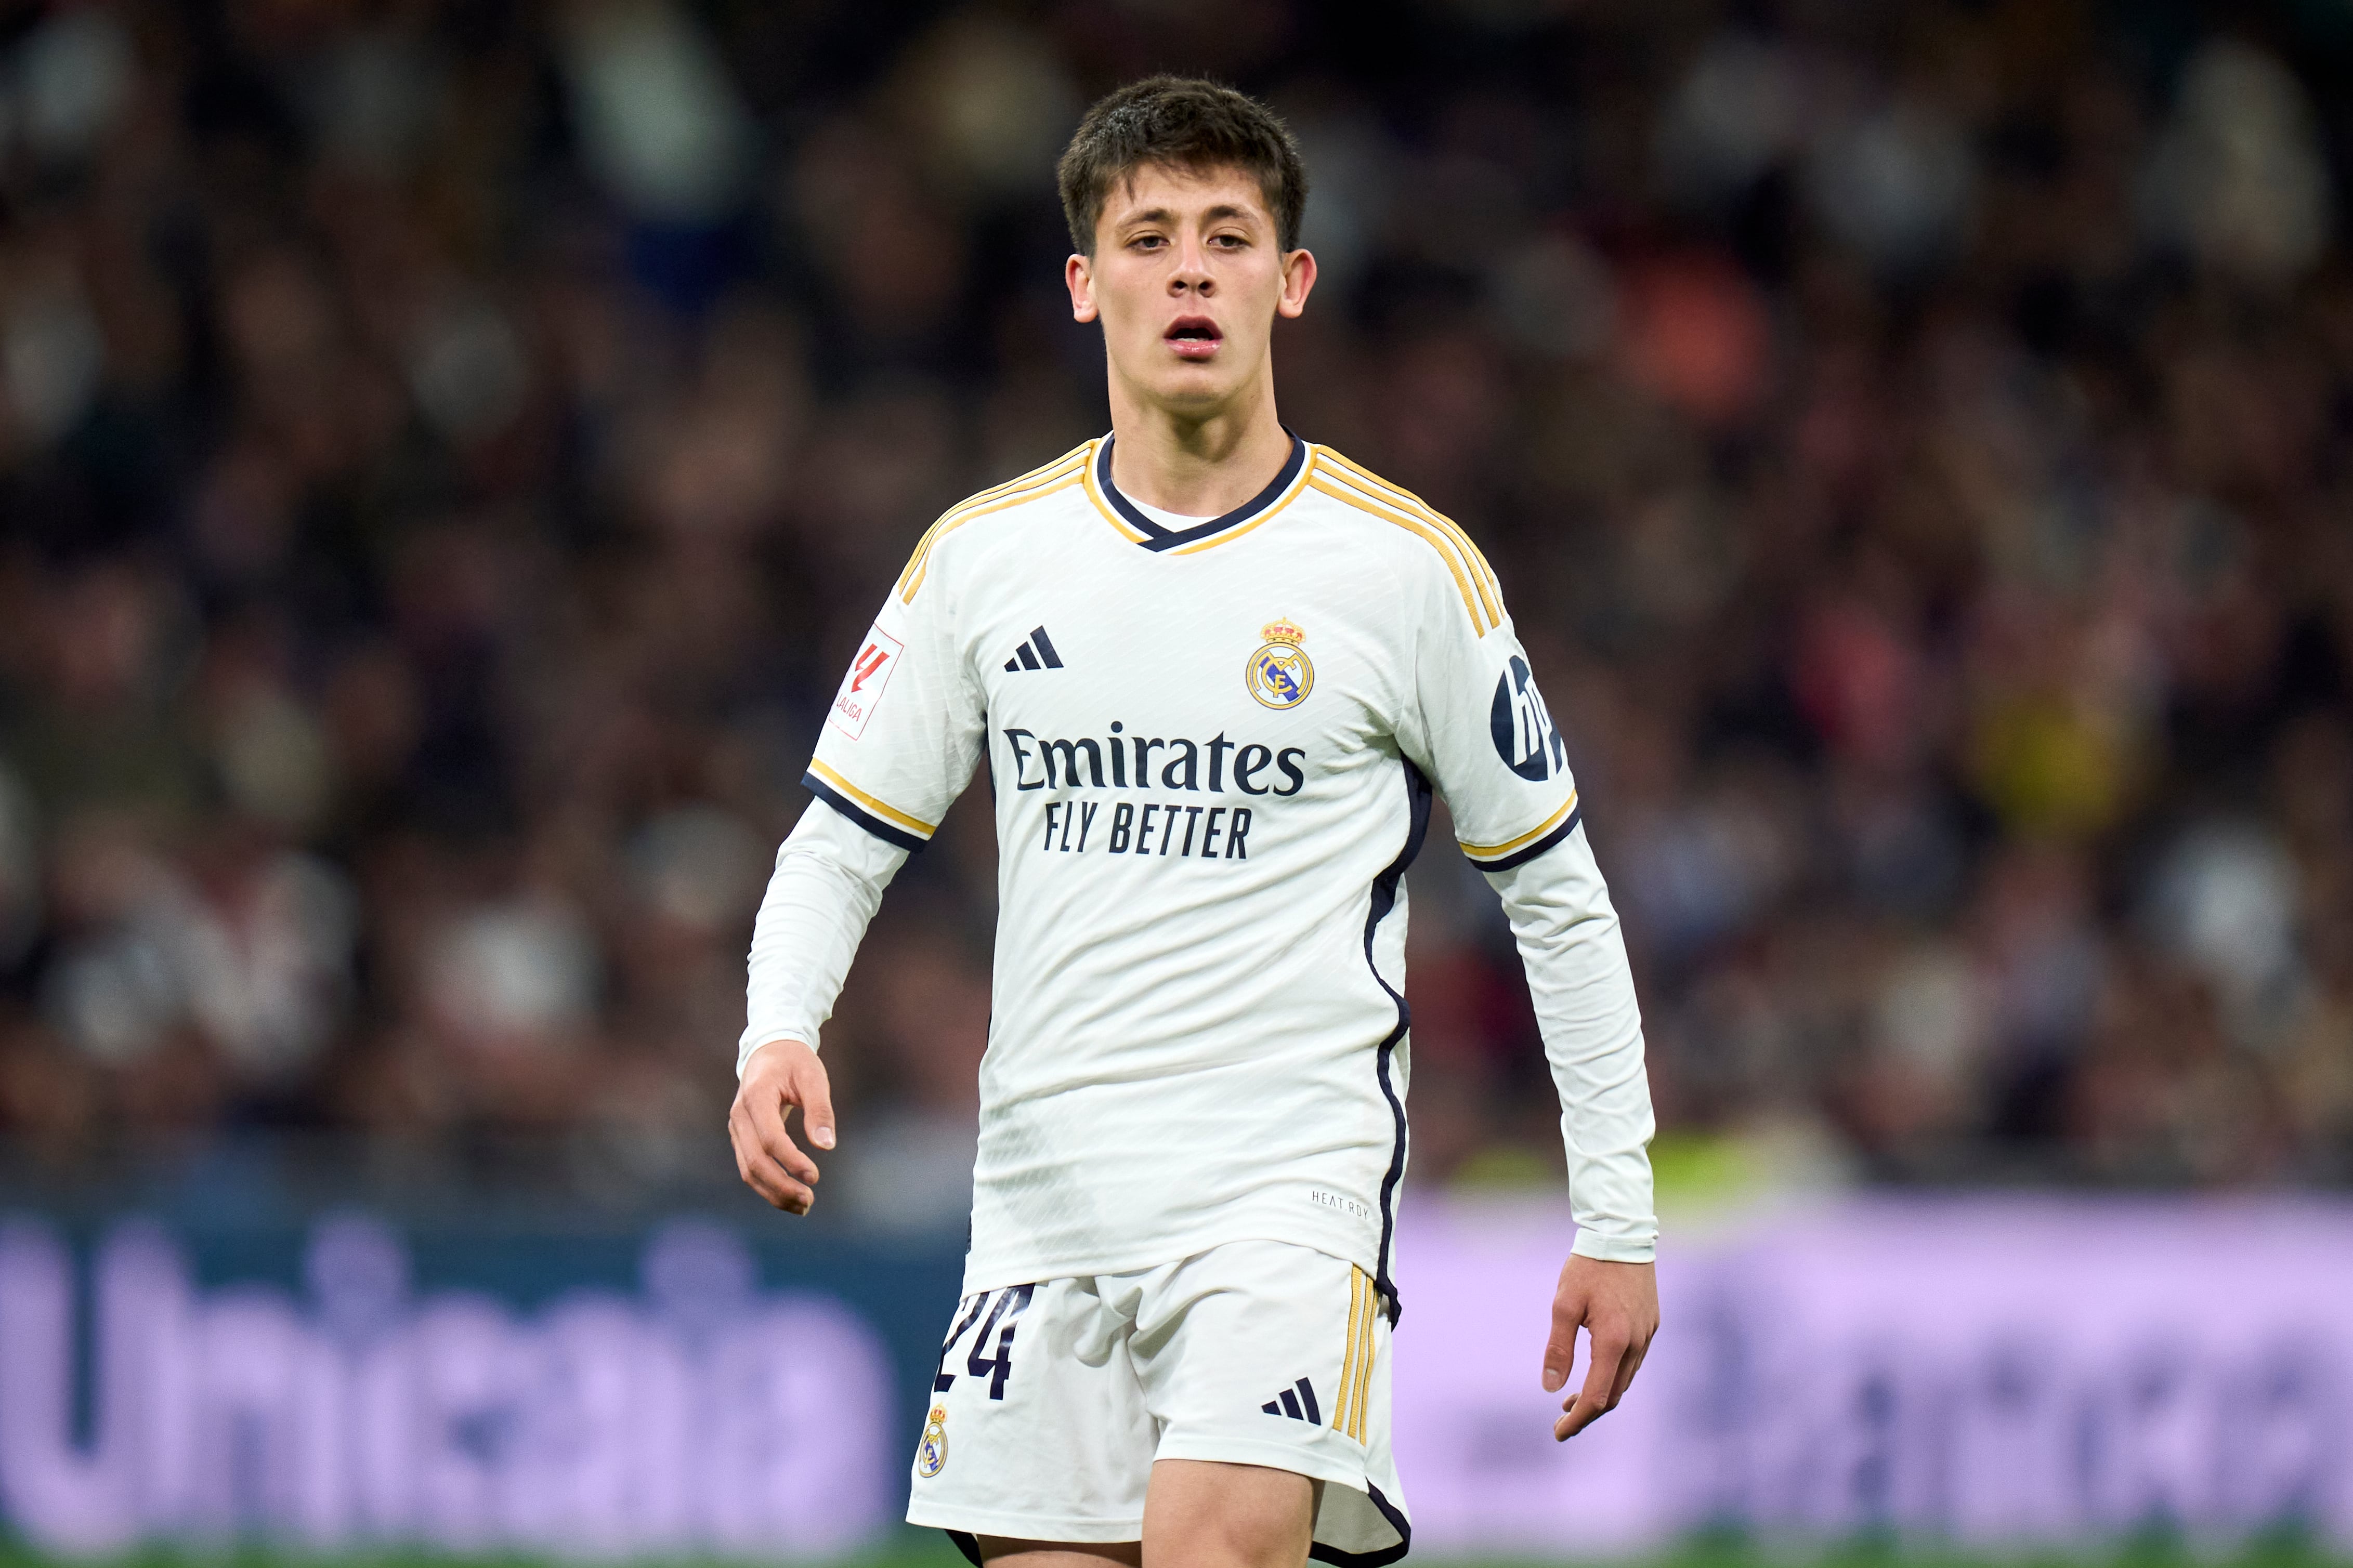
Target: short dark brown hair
<point>1186,124</point>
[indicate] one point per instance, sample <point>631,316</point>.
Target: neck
<point>1196,464</point>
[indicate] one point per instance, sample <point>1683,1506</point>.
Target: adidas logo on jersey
<point>1034,653</point>
<point>1297,1402</point>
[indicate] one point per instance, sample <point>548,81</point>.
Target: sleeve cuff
<point>1615,1248</point>
<point>752,1042</point>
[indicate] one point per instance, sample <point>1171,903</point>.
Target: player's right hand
<point>781,1075</point>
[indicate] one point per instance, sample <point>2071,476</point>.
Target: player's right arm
<point>898,746</point>
<point>828,883</point>
<point>781,1075</point>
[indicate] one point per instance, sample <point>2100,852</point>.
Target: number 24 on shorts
<point>1008,1304</point>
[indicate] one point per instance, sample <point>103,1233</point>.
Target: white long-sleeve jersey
<point>1211,753</point>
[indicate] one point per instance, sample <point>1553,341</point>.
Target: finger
<point>770,1181</point>
<point>767,1114</point>
<point>1626,1371</point>
<point>1560,1349</point>
<point>735,1144</point>
<point>1593,1398</point>
<point>815,1095</point>
<point>783,1193</point>
<point>765,1177</point>
<point>762,1173</point>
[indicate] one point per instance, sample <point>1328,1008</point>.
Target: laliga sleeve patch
<point>862,688</point>
<point>1525,735</point>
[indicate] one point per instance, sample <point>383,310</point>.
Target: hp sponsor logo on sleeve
<point>1525,736</point>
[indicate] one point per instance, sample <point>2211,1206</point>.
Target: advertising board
<point>1987,1371</point>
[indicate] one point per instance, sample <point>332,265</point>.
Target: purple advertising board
<point>1993,1371</point>
<point>698,1414</point>
<point>1989,1372</point>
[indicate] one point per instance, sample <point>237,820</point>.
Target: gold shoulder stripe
<point>955,513</point>
<point>920,566</point>
<point>1031,486</point>
<point>947,518</point>
<point>1410,501</point>
<point>888,813</point>
<point>1489,588</point>
<point>1490,851</point>
<point>1015,483</point>
<point>1338,490</point>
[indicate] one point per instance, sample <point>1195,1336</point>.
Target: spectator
<point>446,455</point>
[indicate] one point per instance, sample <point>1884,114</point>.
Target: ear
<point>1298,279</point>
<point>1078,273</point>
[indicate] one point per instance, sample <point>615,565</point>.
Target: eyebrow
<point>1163,214</point>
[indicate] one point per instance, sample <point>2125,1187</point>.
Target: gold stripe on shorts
<point>1356,1359</point>
<point>1348,1357</point>
<point>1362,1410</point>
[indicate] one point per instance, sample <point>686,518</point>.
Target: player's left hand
<point>1616,1304</point>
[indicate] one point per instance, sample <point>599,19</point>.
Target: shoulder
<point>997,502</point>
<point>1431,544</point>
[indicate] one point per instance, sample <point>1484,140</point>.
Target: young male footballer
<point>1216,671</point>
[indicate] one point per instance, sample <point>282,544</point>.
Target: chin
<point>1194,388</point>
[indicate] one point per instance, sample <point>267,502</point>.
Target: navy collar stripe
<point>1155,537</point>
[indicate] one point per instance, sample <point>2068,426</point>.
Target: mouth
<point>1193,337</point>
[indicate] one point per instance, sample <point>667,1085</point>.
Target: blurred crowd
<point>448,452</point>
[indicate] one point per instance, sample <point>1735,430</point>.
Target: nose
<point>1191,273</point>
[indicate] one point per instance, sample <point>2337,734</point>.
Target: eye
<point>1148,242</point>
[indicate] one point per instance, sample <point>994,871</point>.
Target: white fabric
<point>830,875</point>
<point>1584,993</point>
<point>1196,1032</point>
<point>1109,1373</point>
<point>828,883</point>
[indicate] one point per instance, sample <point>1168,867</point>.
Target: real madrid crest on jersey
<point>1278,674</point>
<point>931,1453</point>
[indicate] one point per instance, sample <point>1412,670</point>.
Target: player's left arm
<point>1480,729</point>
<point>1583,990</point>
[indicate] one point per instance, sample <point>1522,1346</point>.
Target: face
<point>1188,277</point>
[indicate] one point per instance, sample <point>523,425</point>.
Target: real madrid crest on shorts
<point>931,1453</point>
<point>1278,674</point>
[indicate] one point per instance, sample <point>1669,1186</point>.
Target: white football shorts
<point>1052,1400</point>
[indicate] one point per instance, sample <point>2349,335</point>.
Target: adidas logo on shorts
<point>1298,1402</point>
